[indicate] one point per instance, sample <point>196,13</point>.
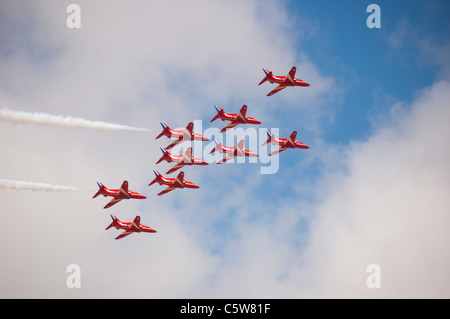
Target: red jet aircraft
<point>282,81</point>
<point>180,160</point>
<point>117,194</point>
<point>134,227</point>
<point>235,119</point>
<point>181,136</point>
<point>232,151</point>
<point>284,143</point>
<point>172,183</point>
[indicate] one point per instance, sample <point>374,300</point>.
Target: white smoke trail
<point>39,118</point>
<point>42,187</point>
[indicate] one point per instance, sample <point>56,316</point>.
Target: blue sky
<point>355,197</point>
<point>362,59</point>
<point>372,73</point>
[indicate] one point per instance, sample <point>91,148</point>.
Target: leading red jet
<point>134,227</point>
<point>180,160</point>
<point>181,135</point>
<point>235,119</point>
<point>284,143</point>
<point>172,183</point>
<point>117,194</point>
<point>232,151</point>
<point>282,81</point>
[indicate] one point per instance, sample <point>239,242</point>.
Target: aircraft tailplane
<point>113,222</point>
<point>101,188</point>
<point>268,74</point>
<point>157,174</point>
<point>165,128</point>
<point>217,147</point>
<point>162,157</point>
<point>269,139</point>
<point>219,110</point>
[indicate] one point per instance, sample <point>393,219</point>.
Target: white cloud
<point>389,207</point>
<point>135,63</point>
<point>384,202</point>
<point>145,62</point>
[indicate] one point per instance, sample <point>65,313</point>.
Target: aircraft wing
<point>291,139</point>
<point>240,147</point>
<point>226,158</point>
<point>187,134</point>
<point>113,201</point>
<point>281,149</point>
<point>186,159</point>
<point>291,75</point>
<point>124,189</point>
<point>179,179</point>
<point>174,143</point>
<point>242,113</point>
<point>136,223</point>
<point>277,89</point>
<point>187,156</point>
<point>175,168</point>
<point>228,126</point>
<point>124,234</point>
<point>166,190</point>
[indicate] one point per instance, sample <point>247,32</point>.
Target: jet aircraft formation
<point>188,134</point>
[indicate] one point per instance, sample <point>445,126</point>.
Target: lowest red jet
<point>232,151</point>
<point>117,194</point>
<point>180,160</point>
<point>235,119</point>
<point>284,143</point>
<point>282,81</point>
<point>134,227</point>
<point>181,135</point>
<point>172,183</point>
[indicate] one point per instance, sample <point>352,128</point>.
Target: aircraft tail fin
<point>219,110</point>
<point>163,156</point>
<point>217,147</point>
<point>157,174</point>
<point>165,129</point>
<point>101,187</point>
<point>114,221</point>
<point>268,74</point>
<point>269,139</point>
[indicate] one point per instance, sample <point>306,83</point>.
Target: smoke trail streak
<point>42,187</point>
<point>39,118</point>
